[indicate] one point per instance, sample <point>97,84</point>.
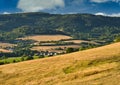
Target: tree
<point>70,50</point>
<point>14,61</point>
<point>117,39</point>
<point>22,58</point>
<point>4,58</point>
<point>29,58</point>
<point>1,63</point>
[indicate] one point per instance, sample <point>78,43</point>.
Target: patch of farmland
<point>4,45</point>
<point>80,41</point>
<point>49,48</point>
<point>5,51</point>
<point>46,37</point>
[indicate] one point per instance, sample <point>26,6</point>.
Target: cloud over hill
<point>37,5</point>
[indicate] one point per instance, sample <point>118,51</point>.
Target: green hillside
<point>79,26</point>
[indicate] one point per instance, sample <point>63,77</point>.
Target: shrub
<point>70,50</point>
<point>14,61</point>
<point>1,63</point>
<point>29,58</point>
<point>22,58</point>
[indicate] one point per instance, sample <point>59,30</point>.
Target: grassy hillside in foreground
<point>98,66</point>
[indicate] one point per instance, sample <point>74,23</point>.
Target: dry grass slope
<point>98,66</point>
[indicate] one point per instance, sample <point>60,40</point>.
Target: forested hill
<point>80,26</point>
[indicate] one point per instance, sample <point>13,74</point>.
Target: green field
<point>15,59</point>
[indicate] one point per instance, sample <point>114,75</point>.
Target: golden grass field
<point>98,66</point>
<point>4,50</point>
<point>4,45</point>
<point>46,37</point>
<point>81,41</point>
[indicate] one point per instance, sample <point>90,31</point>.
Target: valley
<point>55,43</point>
<point>59,42</point>
<point>45,35</point>
<point>41,46</point>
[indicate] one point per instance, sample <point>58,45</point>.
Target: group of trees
<point>117,39</point>
<point>70,50</point>
<point>7,60</point>
<point>18,53</point>
<point>82,47</point>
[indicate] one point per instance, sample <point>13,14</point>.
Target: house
<point>46,53</point>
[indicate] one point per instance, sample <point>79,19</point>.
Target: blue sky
<point>100,7</point>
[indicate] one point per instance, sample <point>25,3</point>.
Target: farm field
<point>98,66</point>
<point>4,45</point>
<point>5,51</point>
<point>80,41</point>
<point>53,42</point>
<point>50,48</point>
<point>46,37</point>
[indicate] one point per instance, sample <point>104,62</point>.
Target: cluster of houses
<point>46,53</point>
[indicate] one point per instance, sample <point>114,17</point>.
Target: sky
<point>98,7</point>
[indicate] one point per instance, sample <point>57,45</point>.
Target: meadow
<point>97,66</point>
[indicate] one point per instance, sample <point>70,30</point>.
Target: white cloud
<point>6,13</point>
<point>37,5</point>
<point>110,15</point>
<point>115,15</point>
<point>100,13</point>
<point>99,1</point>
<point>103,1</point>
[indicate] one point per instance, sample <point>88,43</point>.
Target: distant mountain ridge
<point>80,26</point>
